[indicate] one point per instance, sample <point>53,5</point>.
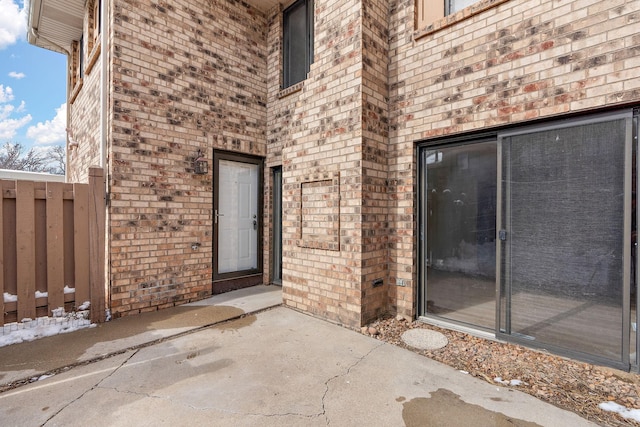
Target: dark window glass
<point>461,231</point>
<point>81,58</point>
<point>298,42</point>
<point>564,252</point>
<point>452,6</point>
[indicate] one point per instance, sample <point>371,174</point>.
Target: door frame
<point>276,226</point>
<point>223,282</point>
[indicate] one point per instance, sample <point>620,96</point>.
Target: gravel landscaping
<point>572,385</point>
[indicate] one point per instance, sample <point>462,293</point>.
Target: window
<point>531,232</point>
<point>452,6</point>
<point>429,13</point>
<point>297,42</point>
<point>76,68</point>
<point>94,28</point>
<point>81,58</point>
<point>95,22</point>
<point>75,65</point>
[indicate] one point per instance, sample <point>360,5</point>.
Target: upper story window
<point>95,22</point>
<point>76,68</point>
<point>452,6</point>
<point>297,42</point>
<point>429,11</point>
<point>94,29</point>
<point>76,62</point>
<point>430,14</point>
<point>81,58</point>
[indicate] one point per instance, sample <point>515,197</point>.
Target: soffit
<point>54,24</point>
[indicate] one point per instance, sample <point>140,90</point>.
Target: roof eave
<point>55,24</point>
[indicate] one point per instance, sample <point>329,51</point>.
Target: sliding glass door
<point>460,225</point>
<point>531,233</point>
<point>564,255</point>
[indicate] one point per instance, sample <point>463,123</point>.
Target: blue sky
<point>32,85</point>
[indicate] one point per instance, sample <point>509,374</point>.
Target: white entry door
<point>236,216</point>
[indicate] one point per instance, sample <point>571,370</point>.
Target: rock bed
<point>576,386</point>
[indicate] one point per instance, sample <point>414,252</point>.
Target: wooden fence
<point>52,248</point>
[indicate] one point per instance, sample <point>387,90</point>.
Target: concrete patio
<point>272,368</point>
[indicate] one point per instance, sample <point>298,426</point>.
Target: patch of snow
<point>42,294</point>
<point>512,383</point>
<point>463,372</point>
<point>623,411</point>
<point>58,312</point>
<point>29,330</point>
<point>44,377</point>
<point>68,290</point>
<point>84,306</point>
<point>10,297</point>
<point>107,316</point>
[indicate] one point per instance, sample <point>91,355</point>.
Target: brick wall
<point>508,64</point>
<point>375,137</point>
<point>206,75</point>
<point>318,129</point>
<point>187,75</point>
<point>331,134</point>
<point>84,110</point>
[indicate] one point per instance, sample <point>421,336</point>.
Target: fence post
<point>97,280</point>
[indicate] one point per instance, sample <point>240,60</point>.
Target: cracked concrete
<point>40,402</point>
<point>279,368</point>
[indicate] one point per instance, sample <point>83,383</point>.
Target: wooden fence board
<point>55,246</point>
<point>40,219</point>
<point>81,242</point>
<point>25,248</point>
<point>51,235</point>
<point>9,246</point>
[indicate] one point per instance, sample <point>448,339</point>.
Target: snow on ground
<point>623,411</point>
<point>29,330</point>
<point>512,383</point>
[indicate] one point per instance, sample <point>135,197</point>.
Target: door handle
<point>217,215</point>
<point>255,224</point>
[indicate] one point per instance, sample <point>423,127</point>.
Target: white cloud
<point>9,127</point>
<point>6,95</point>
<point>17,75</point>
<point>5,111</point>
<point>51,131</point>
<point>13,22</point>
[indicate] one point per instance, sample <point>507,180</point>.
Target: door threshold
<point>225,285</point>
<point>460,328</point>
